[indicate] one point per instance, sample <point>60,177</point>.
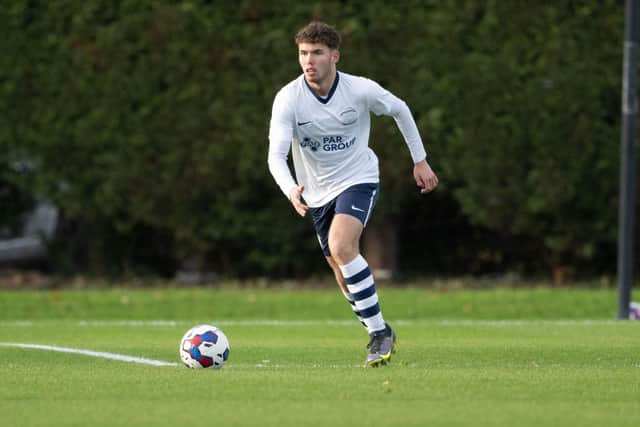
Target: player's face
<point>318,61</point>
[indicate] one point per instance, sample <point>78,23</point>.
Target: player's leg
<point>344,238</point>
<point>343,287</point>
<point>353,209</point>
<point>322,218</point>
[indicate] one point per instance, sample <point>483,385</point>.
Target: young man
<point>326,115</point>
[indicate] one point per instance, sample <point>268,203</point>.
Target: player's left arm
<point>381,101</point>
<point>425,178</point>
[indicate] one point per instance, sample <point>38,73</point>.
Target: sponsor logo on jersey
<point>328,144</point>
<point>308,142</point>
<point>336,143</point>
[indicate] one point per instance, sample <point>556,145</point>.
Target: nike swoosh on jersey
<point>357,209</point>
<point>304,123</point>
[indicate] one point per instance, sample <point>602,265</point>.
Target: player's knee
<point>343,252</point>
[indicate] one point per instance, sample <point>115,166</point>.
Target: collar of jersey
<point>331,91</point>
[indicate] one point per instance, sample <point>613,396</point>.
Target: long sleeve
<point>383,102</point>
<point>404,119</point>
<point>280,136</point>
<point>277,161</point>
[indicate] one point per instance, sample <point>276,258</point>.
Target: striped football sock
<point>363,291</point>
<point>350,300</point>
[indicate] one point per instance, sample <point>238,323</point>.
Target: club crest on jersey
<point>348,116</point>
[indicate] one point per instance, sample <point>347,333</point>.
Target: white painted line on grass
<point>100,354</point>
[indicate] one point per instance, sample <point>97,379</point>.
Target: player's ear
<point>335,55</point>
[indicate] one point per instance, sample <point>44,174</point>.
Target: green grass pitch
<point>482,358</point>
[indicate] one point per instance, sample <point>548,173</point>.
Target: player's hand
<point>425,178</point>
<point>295,196</point>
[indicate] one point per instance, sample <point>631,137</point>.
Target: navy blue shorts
<point>358,201</point>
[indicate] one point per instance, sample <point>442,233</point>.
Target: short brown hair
<point>319,32</point>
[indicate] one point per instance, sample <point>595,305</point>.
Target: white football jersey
<point>329,137</point>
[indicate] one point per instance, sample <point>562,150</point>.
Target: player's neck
<point>322,88</point>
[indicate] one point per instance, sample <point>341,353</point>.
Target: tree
<point>536,148</point>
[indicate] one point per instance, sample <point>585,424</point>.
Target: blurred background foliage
<point>146,122</point>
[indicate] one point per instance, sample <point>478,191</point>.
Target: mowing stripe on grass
<point>100,354</point>
<point>262,322</point>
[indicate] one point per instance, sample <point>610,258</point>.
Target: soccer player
<point>323,117</point>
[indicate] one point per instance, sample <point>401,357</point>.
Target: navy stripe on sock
<point>365,293</point>
<point>371,311</point>
<point>359,277</point>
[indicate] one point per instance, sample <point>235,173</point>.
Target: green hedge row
<point>147,121</point>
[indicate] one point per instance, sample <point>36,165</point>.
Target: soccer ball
<point>204,346</point>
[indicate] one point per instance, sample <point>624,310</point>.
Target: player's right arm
<point>280,136</point>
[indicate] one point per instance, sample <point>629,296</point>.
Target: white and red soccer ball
<point>204,346</point>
